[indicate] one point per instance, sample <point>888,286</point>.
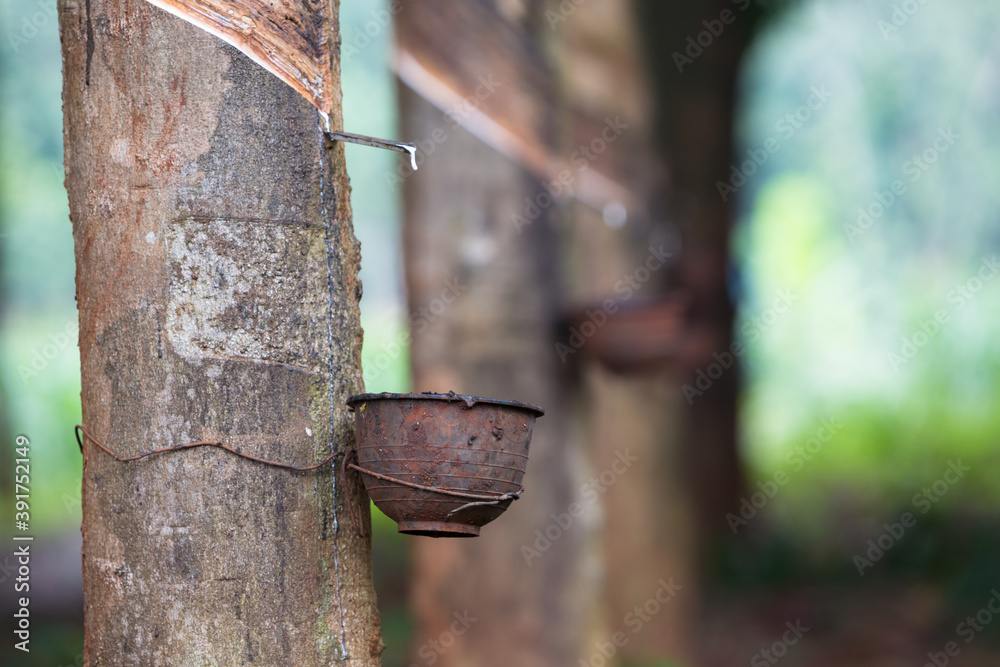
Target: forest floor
<point>884,626</point>
<point>933,602</point>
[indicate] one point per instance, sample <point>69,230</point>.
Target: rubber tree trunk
<point>532,597</point>
<point>648,532</point>
<point>696,101</point>
<point>218,295</point>
<point>485,297</point>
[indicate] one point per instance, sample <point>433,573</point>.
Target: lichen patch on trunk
<point>239,290</point>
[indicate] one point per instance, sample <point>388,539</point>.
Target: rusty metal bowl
<point>442,465</point>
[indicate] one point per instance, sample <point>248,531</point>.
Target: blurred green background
<point>857,345</point>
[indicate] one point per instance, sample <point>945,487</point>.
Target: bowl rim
<point>451,397</point>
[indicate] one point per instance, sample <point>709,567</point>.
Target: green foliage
<point>861,343</point>
<point>370,108</point>
<point>51,646</point>
<point>44,405</point>
<point>39,364</point>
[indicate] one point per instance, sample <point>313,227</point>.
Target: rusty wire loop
<point>477,499</point>
<point>500,497</point>
<point>208,443</point>
<point>203,443</point>
<point>351,454</point>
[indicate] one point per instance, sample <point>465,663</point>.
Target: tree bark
<point>218,295</point>
<point>535,610</point>
<point>695,115</point>
<point>533,598</point>
<point>647,532</point>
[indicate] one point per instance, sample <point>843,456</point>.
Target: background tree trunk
<point>695,111</point>
<point>648,531</point>
<point>218,295</point>
<point>495,340</point>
